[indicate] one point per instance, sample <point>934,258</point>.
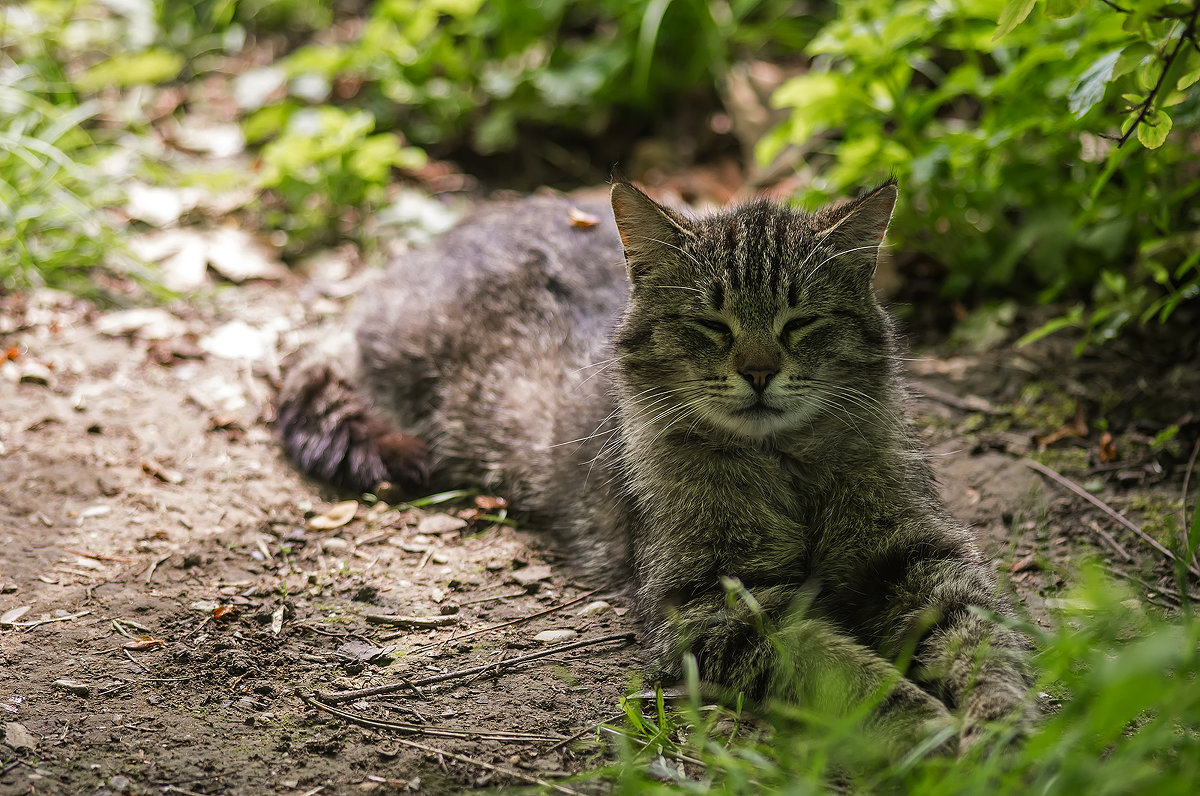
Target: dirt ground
<point>184,587</point>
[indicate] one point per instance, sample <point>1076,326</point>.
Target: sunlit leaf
<point>1153,130</point>
<point>1090,88</point>
<point>1013,14</point>
<point>1061,9</point>
<point>132,69</point>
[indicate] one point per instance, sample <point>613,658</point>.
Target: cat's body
<point>737,438</point>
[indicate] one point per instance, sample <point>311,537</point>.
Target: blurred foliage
<point>1047,148</point>
<point>51,229</point>
<point>450,72</point>
<point>1001,143</point>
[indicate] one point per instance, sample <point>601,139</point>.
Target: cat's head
<point>758,321</point>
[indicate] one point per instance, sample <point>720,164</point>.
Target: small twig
<point>333,697</point>
<point>478,600</point>
<point>136,662</point>
<point>425,558</point>
<point>558,607</point>
<point>182,791</point>
<point>37,622</point>
<point>421,729</point>
<point>1184,524</point>
<point>153,566</point>
<point>1100,504</point>
<point>1165,591</point>
<point>98,556</point>
<point>411,621</point>
<point>130,683</point>
<point>968,403</point>
<point>588,729</point>
<point>511,772</point>
<point>1113,543</point>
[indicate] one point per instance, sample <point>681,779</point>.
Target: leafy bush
<point>448,71</point>
<point>327,167</point>
<point>1000,142</point>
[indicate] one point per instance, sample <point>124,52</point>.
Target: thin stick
<point>154,565</point>
<point>559,607</point>
<point>411,621</point>
<point>1106,536</point>
<point>99,556</point>
<point>1184,525</point>
<point>333,697</point>
<point>37,622</point>
<point>590,728</point>
<point>512,772</point>
<point>421,729</point>
<point>478,600</point>
<point>1100,504</point>
<point>969,403</point>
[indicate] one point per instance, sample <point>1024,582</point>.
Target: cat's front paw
<point>1004,715</point>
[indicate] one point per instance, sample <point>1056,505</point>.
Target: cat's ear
<point>858,226</point>
<point>650,233</point>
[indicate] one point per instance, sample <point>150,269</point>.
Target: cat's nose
<point>758,378</point>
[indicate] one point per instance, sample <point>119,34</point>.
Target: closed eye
<point>715,326</point>
<point>796,324</point>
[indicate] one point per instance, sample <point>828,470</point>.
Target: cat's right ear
<point>651,234</point>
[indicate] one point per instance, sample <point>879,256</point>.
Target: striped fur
<point>713,405</point>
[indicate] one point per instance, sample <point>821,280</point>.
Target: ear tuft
<point>863,221</point>
<point>650,233</point>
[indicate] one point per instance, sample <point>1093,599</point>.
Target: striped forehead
<point>755,246</point>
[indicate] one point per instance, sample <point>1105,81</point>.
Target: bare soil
<point>182,595</point>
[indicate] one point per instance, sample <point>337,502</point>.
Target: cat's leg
<point>330,429</point>
<point>768,648</point>
<point>976,665</point>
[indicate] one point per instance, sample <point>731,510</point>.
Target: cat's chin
<point>757,422</point>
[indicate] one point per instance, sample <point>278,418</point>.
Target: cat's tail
<point>331,431</point>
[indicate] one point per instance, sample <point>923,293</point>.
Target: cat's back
<point>485,340</point>
<point>530,255</point>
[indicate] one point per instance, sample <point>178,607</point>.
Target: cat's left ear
<point>857,227</point>
<point>651,234</point>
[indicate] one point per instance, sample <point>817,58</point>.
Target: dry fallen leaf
<point>582,220</point>
<point>335,516</point>
<point>1108,450</point>
<point>1026,562</point>
<point>489,503</point>
<point>144,643</point>
<point>223,611</point>
<point>1075,427</point>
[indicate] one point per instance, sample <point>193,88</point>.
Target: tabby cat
<point>723,418</point>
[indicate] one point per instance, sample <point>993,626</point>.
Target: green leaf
<point>1132,57</point>
<point>1154,129</point>
<point>132,69</point>
<point>1061,9</point>
<point>1014,14</point>
<point>1090,88</point>
<point>1188,80</point>
<point>1072,318</point>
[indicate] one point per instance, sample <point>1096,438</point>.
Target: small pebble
<point>73,687</point>
<point>594,608</point>
<point>334,545</point>
<point>552,636</point>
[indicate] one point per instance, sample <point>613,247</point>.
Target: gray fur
<point>723,415</point>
